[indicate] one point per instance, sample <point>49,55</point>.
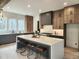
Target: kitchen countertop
<point>42,39</point>
<point>12,33</point>
<point>53,35</point>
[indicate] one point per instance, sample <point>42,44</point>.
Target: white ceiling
<point>20,6</point>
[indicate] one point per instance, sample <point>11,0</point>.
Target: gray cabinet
<point>7,38</point>
<point>10,38</point>
<point>46,18</point>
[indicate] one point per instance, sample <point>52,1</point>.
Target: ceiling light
<point>40,11</point>
<point>28,6</point>
<point>8,7</point>
<point>65,4</point>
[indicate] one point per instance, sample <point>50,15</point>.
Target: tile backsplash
<point>49,29</point>
<point>58,32</point>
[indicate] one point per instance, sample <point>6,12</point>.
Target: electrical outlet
<point>75,43</point>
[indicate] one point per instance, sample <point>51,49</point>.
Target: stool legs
<point>30,52</point>
<point>38,56</point>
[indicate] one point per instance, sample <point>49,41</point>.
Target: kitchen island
<point>55,46</point>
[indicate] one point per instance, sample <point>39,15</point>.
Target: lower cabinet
<point>10,38</point>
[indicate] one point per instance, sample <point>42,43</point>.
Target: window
<point>21,25</point>
<point>12,24</point>
<point>3,25</point>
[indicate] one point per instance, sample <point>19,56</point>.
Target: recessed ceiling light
<point>40,11</point>
<point>65,4</point>
<point>28,6</point>
<point>8,7</point>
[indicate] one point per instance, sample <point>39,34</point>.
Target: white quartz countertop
<point>43,39</point>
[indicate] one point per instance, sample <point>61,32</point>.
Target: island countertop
<point>55,46</point>
<point>42,39</point>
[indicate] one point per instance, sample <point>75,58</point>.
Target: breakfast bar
<point>55,46</point>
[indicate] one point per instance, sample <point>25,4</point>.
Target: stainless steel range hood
<point>3,3</point>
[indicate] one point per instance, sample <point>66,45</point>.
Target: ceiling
<point>20,6</point>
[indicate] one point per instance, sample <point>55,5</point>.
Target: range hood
<point>3,3</point>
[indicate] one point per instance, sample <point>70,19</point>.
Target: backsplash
<point>49,29</point>
<point>58,32</point>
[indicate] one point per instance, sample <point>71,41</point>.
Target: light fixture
<point>28,5</point>
<point>65,3</point>
<point>8,7</point>
<point>40,10</point>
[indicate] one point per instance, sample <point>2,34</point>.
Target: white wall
<point>72,35</point>
<point>36,18</point>
<point>12,15</point>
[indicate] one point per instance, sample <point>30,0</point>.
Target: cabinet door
<point>76,14</point>
<point>54,20</point>
<point>69,15</point>
<point>61,19</point>
<point>58,19</point>
<point>29,23</point>
<point>46,18</point>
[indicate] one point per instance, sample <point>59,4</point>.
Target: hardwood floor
<point>9,52</point>
<point>71,53</point>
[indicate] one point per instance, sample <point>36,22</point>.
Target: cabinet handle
<point>71,21</point>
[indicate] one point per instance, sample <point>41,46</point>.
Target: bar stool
<point>39,52</point>
<point>31,48</point>
<point>20,47</point>
<point>27,49</point>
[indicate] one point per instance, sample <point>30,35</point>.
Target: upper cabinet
<point>58,17</point>
<point>29,24</point>
<point>46,18</point>
<point>69,13</point>
<point>76,16</point>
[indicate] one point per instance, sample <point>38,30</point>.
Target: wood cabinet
<point>58,19</point>
<point>46,18</point>
<point>69,13</point>
<point>76,15</point>
<point>29,24</point>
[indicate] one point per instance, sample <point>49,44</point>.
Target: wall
<point>72,35</point>
<point>12,15</point>
<point>36,18</point>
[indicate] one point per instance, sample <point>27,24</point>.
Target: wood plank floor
<point>71,53</point>
<point>9,52</point>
